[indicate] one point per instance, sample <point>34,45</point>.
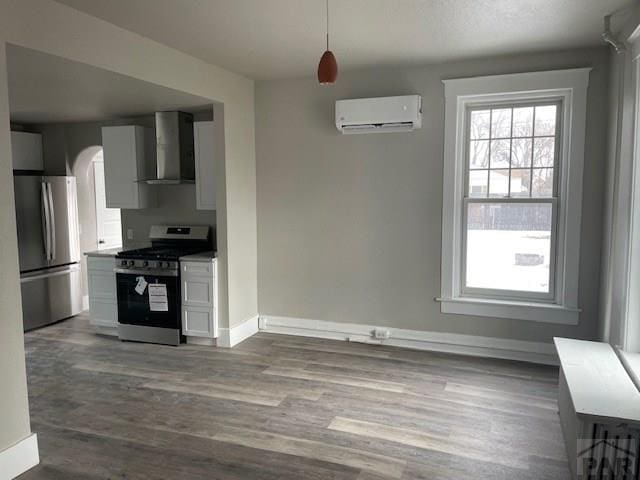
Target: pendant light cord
<point>327,24</point>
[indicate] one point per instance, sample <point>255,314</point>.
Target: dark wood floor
<point>279,407</point>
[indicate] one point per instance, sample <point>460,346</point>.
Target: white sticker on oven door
<point>158,301</point>
<point>141,285</point>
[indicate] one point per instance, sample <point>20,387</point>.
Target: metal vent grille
<point>613,450</point>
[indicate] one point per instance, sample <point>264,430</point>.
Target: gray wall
<point>349,227</point>
<point>619,320</point>
<point>14,407</point>
<point>615,222</point>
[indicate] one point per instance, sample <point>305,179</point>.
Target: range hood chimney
<point>175,160</point>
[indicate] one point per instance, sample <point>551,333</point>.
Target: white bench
<point>631,362</point>
<point>597,400</point>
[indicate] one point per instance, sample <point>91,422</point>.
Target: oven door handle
<point>147,272</point>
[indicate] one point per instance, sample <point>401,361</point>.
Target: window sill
<point>529,311</point>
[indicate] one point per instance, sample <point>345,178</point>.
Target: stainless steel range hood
<point>175,160</point>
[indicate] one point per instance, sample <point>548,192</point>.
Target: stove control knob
<point>145,264</point>
<point>123,263</point>
<point>167,265</point>
<point>132,263</point>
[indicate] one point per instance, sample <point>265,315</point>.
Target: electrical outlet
<point>129,233</point>
<point>381,333</point>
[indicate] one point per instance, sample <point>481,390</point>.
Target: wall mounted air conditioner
<point>378,115</point>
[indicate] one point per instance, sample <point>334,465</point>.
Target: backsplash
<point>176,205</point>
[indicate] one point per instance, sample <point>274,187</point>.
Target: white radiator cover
<point>596,444</point>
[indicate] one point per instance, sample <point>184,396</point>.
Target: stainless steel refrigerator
<point>49,248</point>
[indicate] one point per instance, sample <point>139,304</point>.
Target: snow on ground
<point>491,260</point>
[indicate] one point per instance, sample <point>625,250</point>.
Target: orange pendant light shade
<point>327,68</point>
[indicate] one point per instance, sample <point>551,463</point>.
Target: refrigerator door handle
<point>54,272</point>
<point>52,227</point>
<point>46,222</point>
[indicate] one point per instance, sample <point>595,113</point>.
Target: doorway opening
<point>108,229</point>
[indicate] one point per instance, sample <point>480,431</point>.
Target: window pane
<point>520,182</point>
<point>545,120</point>
<point>521,152</point>
<point>479,127</point>
<point>500,150</point>
<point>542,185</point>
<point>478,182</point>
<point>544,152</point>
<point>501,123</point>
<point>523,122</point>
<point>509,246</point>
<point>479,154</point>
<point>499,183</point>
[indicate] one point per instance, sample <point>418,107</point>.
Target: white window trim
<point>630,325</point>
<point>571,87</point>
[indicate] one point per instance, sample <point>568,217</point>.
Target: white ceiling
<point>267,39</point>
<point>45,89</point>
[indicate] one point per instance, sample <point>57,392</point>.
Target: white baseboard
<point>19,458</point>
<point>201,341</point>
<point>85,303</point>
<point>230,337</point>
<point>492,347</point>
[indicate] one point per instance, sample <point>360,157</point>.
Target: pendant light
<point>328,67</point>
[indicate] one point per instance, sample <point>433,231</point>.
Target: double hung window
<point>511,200</point>
<point>514,148</point>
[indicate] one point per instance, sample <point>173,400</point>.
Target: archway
<point>88,165</point>
<point>100,226</point>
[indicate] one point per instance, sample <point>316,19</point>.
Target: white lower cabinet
<point>198,290</point>
<point>103,313</point>
<point>103,303</point>
<point>198,322</point>
<point>199,302</point>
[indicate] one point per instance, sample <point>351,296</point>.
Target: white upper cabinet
<point>205,175</point>
<point>27,151</point>
<point>128,157</point>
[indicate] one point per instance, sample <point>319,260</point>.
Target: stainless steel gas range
<point>148,284</point>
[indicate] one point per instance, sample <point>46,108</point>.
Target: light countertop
<point>112,252</point>
<point>107,252</point>
<point>200,257</point>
